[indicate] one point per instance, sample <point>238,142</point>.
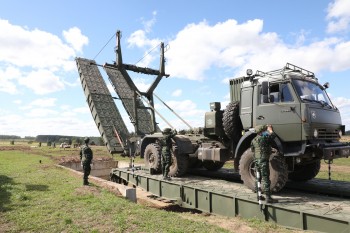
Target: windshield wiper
<point>322,102</point>
<point>309,100</point>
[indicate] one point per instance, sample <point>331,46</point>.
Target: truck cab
<point>307,124</point>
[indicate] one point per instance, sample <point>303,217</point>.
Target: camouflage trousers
<point>87,170</point>
<point>262,165</point>
<point>166,162</point>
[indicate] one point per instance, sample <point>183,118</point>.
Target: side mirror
<point>326,85</point>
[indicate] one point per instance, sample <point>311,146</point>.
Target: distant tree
<point>182,132</point>
<point>102,143</point>
<point>9,137</point>
<point>79,141</point>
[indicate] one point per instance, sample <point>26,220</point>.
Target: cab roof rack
<point>289,68</point>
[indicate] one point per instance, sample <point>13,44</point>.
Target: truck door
<point>246,107</point>
<point>282,111</point>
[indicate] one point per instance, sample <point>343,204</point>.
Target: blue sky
<point>209,42</point>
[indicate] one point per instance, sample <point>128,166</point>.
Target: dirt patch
<point>10,148</point>
<point>87,190</point>
<point>230,224</point>
<point>335,168</point>
<point>76,159</point>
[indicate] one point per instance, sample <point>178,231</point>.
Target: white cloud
<point>82,110</point>
<point>33,48</point>
<point>17,101</point>
<point>338,16</point>
<point>40,112</point>
<point>75,38</point>
<point>177,93</point>
<point>148,24</point>
<point>139,39</point>
<point>8,78</point>
<point>141,84</point>
<point>45,102</point>
<point>341,102</point>
<point>42,82</point>
<point>52,123</point>
<point>228,45</point>
<point>34,57</point>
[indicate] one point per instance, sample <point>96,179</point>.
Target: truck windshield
<point>311,92</point>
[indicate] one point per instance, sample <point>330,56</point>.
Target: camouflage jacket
<point>166,142</point>
<point>262,144</point>
<point>86,153</point>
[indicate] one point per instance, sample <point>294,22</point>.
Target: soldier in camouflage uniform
<point>262,148</point>
<point>166,145</point>
<point>86,156</point>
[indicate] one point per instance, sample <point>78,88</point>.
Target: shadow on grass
<point>6,184</point>
<point>179,209</point>
<point>36,187</point>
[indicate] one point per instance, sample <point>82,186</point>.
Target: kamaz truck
<point>307,124</point>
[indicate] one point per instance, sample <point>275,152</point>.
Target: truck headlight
<point>315,133</point>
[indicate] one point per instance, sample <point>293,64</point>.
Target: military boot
<point>86,182</point>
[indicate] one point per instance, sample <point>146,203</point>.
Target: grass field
<point>36,196</point>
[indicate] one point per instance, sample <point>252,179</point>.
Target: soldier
<point>262,148</point>
<point>166,145</point>
<point>86,156</point>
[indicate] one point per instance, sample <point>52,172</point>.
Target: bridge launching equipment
<point>295,209</point>
<point>102,106</point>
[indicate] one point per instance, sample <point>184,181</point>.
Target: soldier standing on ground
<point>86,156</point>
<point>262,148</point>
<point>166,145</point>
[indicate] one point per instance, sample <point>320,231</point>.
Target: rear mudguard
<point>183,143</point>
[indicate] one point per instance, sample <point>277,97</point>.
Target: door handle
<point>260,118</point>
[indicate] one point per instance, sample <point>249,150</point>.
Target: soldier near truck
<point>166,144</point>
<point>262,149</point>
<point>86,156</point>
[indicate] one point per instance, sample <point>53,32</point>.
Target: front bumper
<point>333,152</point>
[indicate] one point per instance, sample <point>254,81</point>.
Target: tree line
<point>55,139</point>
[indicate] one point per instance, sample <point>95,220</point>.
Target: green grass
<point>39,197</point>
<point>334,176</point>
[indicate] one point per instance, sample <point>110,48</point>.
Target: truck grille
<point>328,133</point>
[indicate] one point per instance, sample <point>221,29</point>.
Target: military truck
<point>307,124</point>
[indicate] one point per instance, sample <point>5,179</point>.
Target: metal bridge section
<point>294,210</point>
<point>103,109</point>
<point>126,90</point>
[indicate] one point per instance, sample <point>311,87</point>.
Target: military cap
<point>167,131</point>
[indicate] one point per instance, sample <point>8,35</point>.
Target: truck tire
<point>152,157</point>
<point>195,163</point>
<point>305,172</point>
<point>213,165</point>
<point>231,122</point>
<point>179,163</point>
<point>278,171</point>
